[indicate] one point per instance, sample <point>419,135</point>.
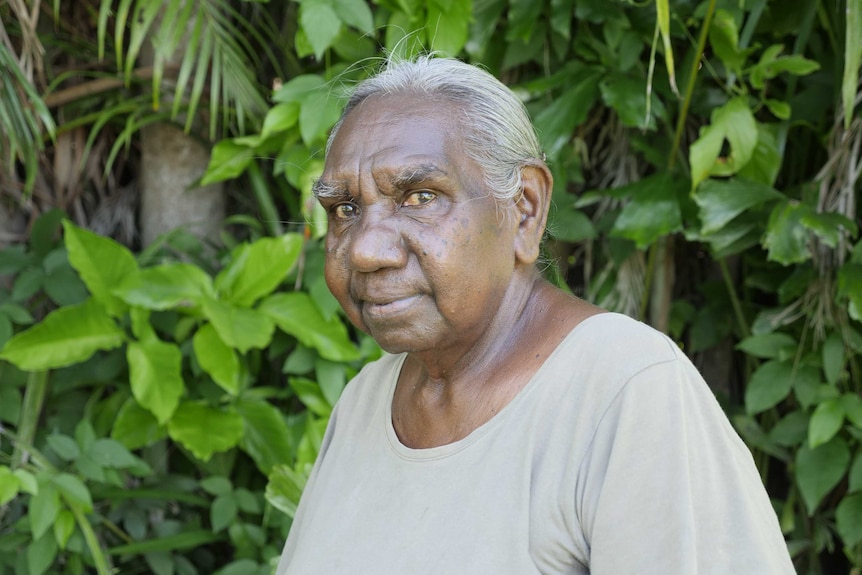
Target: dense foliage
<point>160,410</point>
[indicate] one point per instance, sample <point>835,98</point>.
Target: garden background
<point>169,353</point>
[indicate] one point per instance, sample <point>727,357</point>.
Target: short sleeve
<point>668,487</point>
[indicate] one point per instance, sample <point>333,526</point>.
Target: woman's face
<point>418,253</point>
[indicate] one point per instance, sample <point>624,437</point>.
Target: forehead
<point>392,130</point>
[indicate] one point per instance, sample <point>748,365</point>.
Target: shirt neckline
<point>450,449</point>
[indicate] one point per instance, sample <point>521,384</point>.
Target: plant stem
<point>34,397</point>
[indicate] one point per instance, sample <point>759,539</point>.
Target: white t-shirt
<point>614,459</point>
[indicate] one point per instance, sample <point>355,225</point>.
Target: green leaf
<point>768,385</point>
<point>320,23</point>
<point>66,336</point>
<point>318,114</point>
<point>43,509</point>
<point>448,27</point>
<point>768,345</point>
<point>64,446</point>
<point>16,313</point>
<point>228,160</point>
<point>355,13</point>
<point>217,359</point>
<point>331,377</point>
<point>166,286</point>
<point>311,395</point>
<point>724,39</point>
<point>135,427</point>
<point>652,211</point>
<point>826,421</point>
<point>41,554</point>
<point>720,201</point>
<point>280,118</point>
<point>848,516</point>
<point>833,357</point>
<point>556,122</point>
<point>8,485</point>
<point>26,481</point>
<point>217,485</point>
<point>849,286</point>
<point>266,439</point>
<point>111,453</point>
<point>786,239</point>
<point>771,65</point>
<point>204,430</point>
<point>855,475</point>
<point>791,430</point>
<point>101,262</point>
<point>852,404</point>
<point>223,512</point>
<point>571,225</point>
<point>74,490</point>
<point>829,227</point>
<point>819,470</point>
<point>177,542</point>
<point>64,527</point>
<point>733,122</point>
<point>767,157</point>
<point>295,313</point>
<point>155,374</point>
<point>779,109</point>
<point>284,489</point>
<point>628,98</point>
<point>300,89</point>
<point>256,269</point>
<point>239,327</point>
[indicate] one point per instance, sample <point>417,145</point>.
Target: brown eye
<point>419,198</point>
<point>345,211</point>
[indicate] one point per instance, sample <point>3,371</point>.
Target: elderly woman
<point>512,428</point>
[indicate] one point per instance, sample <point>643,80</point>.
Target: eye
<point>419,198</point>
<point>344,211</point>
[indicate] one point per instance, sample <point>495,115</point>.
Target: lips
<point>382,307</point>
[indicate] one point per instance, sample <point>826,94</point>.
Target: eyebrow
<point>328,190</point>
<point>411,175</point>
<point>407,176</point>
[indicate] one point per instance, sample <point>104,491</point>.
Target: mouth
<point>387,307</point>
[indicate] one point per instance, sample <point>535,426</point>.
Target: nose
<point>376,242</point>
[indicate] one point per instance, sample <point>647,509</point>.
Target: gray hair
<point>498,131</point>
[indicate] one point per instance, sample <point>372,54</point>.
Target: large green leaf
<point>43,508</point>
<point>767,157</point>
<point>155,374</point>
<point>826,421</point>
<point>295,313</point>
<point>73,490</point>
<point>102,263</point>
<point>448,26</point>
<point>204,430</point>
<point>256,269</point>
<point>239,327</point>
<point>628,98</point>
<point>652,211</point>
<point>8,485</point>
<point>66,336</point>
<point>819,470</point>
<point>830,227</point>
<point>768,385</point>
<point>355,13</point>
<point>733,122</point>
<point>280,118</point>
<point>229,159</point>
<point>768,345</point>
<point>166,286</point>
<point>41,554</point>
<point>266,438</point>
<point>284,488</point>
<point>720,201</point>
<point>556,122</point>
<point>135,427</point>
<point>786,239</point>
<point>320,23</point>
<point>849,519</point>
<point>217,359</point>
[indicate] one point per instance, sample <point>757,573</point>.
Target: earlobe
<point>537,185</point>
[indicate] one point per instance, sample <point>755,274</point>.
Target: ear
<point>532,210</point>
